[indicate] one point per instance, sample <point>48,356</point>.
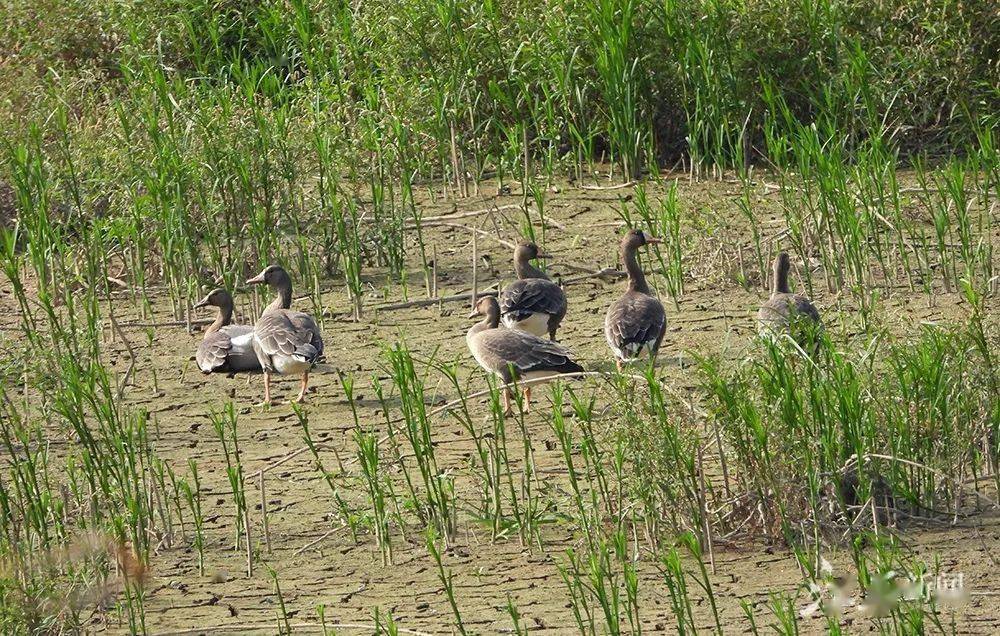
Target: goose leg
<point>267,388</point>
<point>527,399</point>
<point>506,402</point>
<point>618,363</point>
<point>303,386</point>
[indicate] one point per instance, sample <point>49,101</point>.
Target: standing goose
<point>636,321</point>
<point>533,303</point>
<point>285,341</point>
<point>514,355</point>
<point>226,347</point>
<point>788,313</point>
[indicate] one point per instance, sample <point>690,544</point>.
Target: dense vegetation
<point>637,80</point>
<point>247,115</point>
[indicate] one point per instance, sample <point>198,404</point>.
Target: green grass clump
<point>841,431</point>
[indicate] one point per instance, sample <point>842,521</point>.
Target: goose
<point>533,303</point>
<point>511,354</point>
<point>788,313</point>
<point>636,321</point>
<point>285,341</point>
<point>226,347</point>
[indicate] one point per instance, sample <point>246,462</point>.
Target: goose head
<point>635,238</point>
<point>527,251</point>
<point>487,306</point>
<point>524,253</point>
<point>216,298</point>
<point>273,275</point>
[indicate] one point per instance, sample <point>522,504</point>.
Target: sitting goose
<point>533,303</point>
<point>226,347</point>
<point>788,313</point>
<point>514,355</point>
<point>285,341</point>
<point>636,321</point>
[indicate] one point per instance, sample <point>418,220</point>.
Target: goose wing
<point>780,308</point>
<point>213,352</point>
<point>288,333</point>
<point>795,315</point>
<point>634,321</point>
<point>305,323</point>
<point>525,352</point>
<point>532,295</point>
<point>804,307</point>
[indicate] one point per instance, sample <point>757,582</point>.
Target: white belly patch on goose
<point>287,365</point>
<point>242,341</point>
<point>537,324</point>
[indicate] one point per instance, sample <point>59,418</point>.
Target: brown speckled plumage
<point>226,347</point>
<point>285,341</point>
<point>533,302</point>
<point>513,354</point>
<point>783,309</point>
<point>636,322</point>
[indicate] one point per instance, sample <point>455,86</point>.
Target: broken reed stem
<point>314,542</point>
<point>169,323</point>
<point>263,512</point>
<point>268,627</point>
<point>454,159</point>
<point>424,221</point>
<point>131,354</point>
<point>474,230</point>
<point>703,501</point>
<point>475,270</point>
<point>722,458</point>
<point>527,169</point>
<point>627,184</point>
<point>424,302</point>
<point>434,271</point>
<point>246,528</point>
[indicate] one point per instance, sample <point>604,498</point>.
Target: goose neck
<point>490,321</point>
<point>780,283</point>
<point>283,300</point>
<point>636,277</point>
<point>224,318</point>
<point>524,269</point>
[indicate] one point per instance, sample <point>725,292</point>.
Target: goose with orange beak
<point>533,303</point>
<point>636,322</point>
<point>286,341</point>
<point>514,355</point>
<point>226,347</point>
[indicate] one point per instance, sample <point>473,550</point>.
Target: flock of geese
<point>282,341</point>
<point>515,340</point>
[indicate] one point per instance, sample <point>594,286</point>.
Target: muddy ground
<point>315,566</point>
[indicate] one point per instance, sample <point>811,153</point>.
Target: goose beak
<point>256,280</point>
<point>201,303</point>
<point>473,313</point>
<point>652,240</point>
<point>544,255</point>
